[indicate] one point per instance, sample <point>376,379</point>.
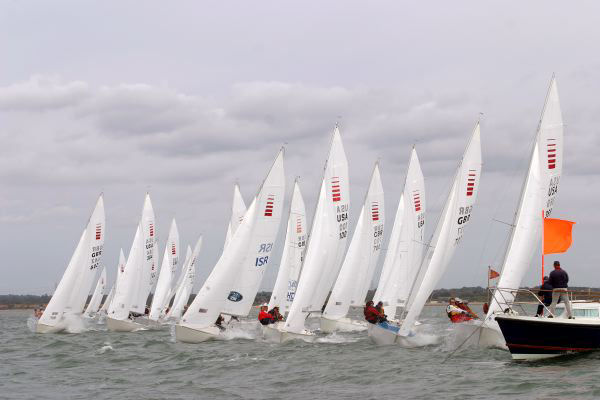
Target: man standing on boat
<point>559,279</point>
<point>545,293</point>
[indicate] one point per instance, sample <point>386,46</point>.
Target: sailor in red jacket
<point>372,315</point>
<point>264,317</point>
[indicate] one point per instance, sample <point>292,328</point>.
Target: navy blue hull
<point>530,338</point>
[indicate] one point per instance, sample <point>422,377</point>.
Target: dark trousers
<point>540,309</point>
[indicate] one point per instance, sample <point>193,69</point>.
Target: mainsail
<point>450,229</point>
<point>71,294</point>
<point>167,274</point>
<point>539,194</point>
<point>245,257</point>
<point>355,276</point>
<point>293,252</point>
<point>327,242</point>
<point>406,244</point>
<point>185,289</point>
<point>94,303</point>
<point>133,287</point>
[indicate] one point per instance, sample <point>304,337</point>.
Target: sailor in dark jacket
<point>559,279</point>
<point>545,295</point>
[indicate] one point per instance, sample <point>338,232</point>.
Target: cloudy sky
<point>183,100</point>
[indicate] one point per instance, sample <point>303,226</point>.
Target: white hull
<point>488,336</point>
<point>190,335</point>
<point>381,336</point>
<point>275,333</point>
<point>41,328</point>
<point>117,325</point>
<point>342,325</point>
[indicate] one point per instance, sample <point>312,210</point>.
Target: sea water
<point>96,364</point>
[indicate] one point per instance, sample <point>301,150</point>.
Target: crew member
<point>379,308</point>
<point>559,279</point>
<point>452,308</point>
<point>264,317</point>
<point>464,305</point>
<point>275,314</point>
<point>371,314</point>
<point>219,322</point>
<point>545,294</point>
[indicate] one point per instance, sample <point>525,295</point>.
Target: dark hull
<point>530,338</point>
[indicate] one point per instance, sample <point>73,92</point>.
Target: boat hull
<point>342,324</point>
<point>276,334</point>
<point>481,334</point>
<point>382,335</point>
<point>42,328</point>
<point>187,334</point>
<point>532,338</point>
<point>117,325</point>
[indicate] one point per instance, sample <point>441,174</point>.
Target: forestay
<point>450,229</point>
<point>245,257</point>
<point>355,276</point>
<point>133,286</point>
<point>167,274</point>
<point>96,299</point>
<point>327,240</point>
<point>538,195</point>
<point>406,244</point>
<point>293,252</point>
<point>71,294</point>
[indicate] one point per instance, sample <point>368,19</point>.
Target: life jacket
<point>265,318</point>
<point>371,314</point>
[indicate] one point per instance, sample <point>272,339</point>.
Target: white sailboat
<point>238,209</point>
<point>94,304</point>
<point>167,274</point>
<point>448,235</point>
<point>133,288</point>
<point>185,288</point>
<point>406,244</point>
<point>246,256</point>
<point>355,276</point>
<point>71,294</point>
<point>325,248</point>
<point>538,195</point>
<point>111,294</point>
<point>293,252</point>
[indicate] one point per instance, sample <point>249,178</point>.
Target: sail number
<point>263,248</point>
<point>149,246</point>
<point>342,219</point>
<point>377,237</point>
<point>96,254</point>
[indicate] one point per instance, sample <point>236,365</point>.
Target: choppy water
<point>150,365</point>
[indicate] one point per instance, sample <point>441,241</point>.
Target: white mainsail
<point>249,276</point>
<point>238,209</point>
<point>450,229</point>
<point>538,195</point>
<point>355,276</point>
<point>96,299</point>
<point>249,249</point>
<point>327,241</point>
<point>185,289</point>
<point>167,274</point>
<point>111,294</point>
<point>405,248</point>
<point>133,286</point>
<point>71,294</point>
<point>293,252</point>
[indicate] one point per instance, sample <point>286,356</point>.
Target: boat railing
<point>521,297</point>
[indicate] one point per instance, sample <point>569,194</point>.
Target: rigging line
<point>503,222</point>
<point>464,341</point>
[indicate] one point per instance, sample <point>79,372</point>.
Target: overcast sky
<point>124,97</point>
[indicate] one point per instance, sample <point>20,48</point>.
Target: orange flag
<point>493,274</point>
<point>557,235</point>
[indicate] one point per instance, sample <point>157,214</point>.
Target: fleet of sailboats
<point>317,277</point>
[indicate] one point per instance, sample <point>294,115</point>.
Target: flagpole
<point>543,226</point>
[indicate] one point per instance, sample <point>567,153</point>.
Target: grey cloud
<point>41,93</point>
